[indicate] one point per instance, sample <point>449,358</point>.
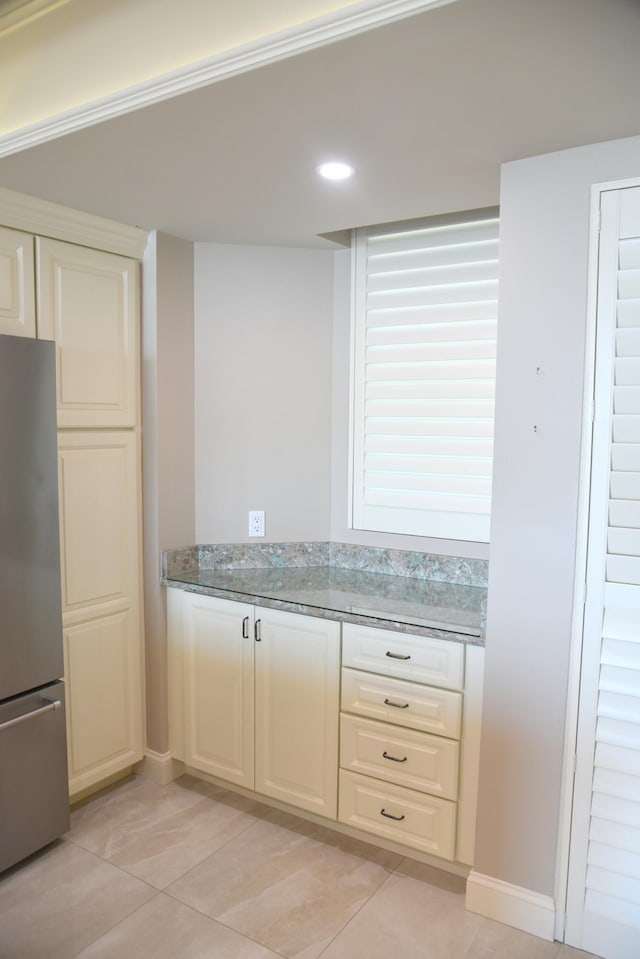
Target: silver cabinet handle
<point>396,655</point>
<point>51,705</point>
<point>245,628</point>
<point>389,702</point>
<point>383,812</point>
<point>256,631</point>
<point>394,759</point>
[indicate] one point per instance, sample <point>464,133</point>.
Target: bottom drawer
<point>403,815</point>
<point>34,795</point>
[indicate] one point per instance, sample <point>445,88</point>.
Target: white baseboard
<point>513,905</point>
<point>161,768</point>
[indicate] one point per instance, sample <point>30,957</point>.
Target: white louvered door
<point>603,904</point>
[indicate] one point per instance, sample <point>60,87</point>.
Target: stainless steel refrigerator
<point>34,802</point>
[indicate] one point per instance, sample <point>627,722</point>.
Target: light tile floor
<point>192,871</point>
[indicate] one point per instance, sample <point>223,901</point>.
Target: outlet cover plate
<point>256,522</point>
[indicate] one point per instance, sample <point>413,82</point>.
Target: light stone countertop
<point>401,597</point>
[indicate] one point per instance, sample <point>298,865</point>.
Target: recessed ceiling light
<point>335,171</point>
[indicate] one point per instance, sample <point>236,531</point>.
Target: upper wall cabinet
<point>87,304</point>
<point>17,300</point>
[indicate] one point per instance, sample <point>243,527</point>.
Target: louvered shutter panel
<point>424,373</point>
<point>611,917</point>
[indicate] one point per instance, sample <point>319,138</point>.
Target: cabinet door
<point>297,679</point>
<point>88,304</point>
<point>104,716</point>
<point>17,282</point>
<point>100,554</point>
<point>218,677</point>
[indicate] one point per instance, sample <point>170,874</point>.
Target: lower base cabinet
<point>260,700</point>
<point>387,746</point>
<point>409,739</point>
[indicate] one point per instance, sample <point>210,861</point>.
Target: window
<point>423,376</point>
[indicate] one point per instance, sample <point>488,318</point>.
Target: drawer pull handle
<point>394,759</point>
<point>50,704</point>
<point>383,812</point>
<point>389,702</point>
<point>396,655</point>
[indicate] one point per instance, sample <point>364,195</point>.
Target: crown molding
<point>28,213</point>
<point>17,12</point>
<point>308,36</point>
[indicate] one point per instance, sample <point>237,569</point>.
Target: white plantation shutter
<point>606,920</point>
<point>613,870</point>
<point>424,347</point>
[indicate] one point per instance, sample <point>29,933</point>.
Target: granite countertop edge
<point>188,562</point>
<point>339,616</point>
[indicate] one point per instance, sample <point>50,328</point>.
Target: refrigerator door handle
<point>51,705</point>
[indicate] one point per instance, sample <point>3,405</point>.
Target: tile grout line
<point>219,922</point>
<point>389,876</point>
<point>115,925</point>
<point>212,801</point>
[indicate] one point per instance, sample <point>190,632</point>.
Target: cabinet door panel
<point>98,490</point>
<point>17,279</point>
<point>297,680</point>
<point>87,303</point>
<point>102,673</point>
<point>219,688</point>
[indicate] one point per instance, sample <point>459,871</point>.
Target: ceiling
<point>426,109</point>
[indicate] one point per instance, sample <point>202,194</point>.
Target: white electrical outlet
<point>256,522</point>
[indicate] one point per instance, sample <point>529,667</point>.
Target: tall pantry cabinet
<point>87,301</point>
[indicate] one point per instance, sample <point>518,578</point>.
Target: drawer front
<point>420,659</point>
<point>402,815</point>
<point>437,711</point>
<point>402,756</point>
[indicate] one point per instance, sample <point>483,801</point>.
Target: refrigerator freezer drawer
<point>34,798</point>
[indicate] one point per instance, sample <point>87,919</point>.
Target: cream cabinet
<point>409,739</point>
<point>255,697</point>
<point>99,510</point>
<point>73,278</point>
<point>88,304</point>
<point>255,700</point>
<point>218,687</point>
<point>17,294</point>
<point>297,677</point>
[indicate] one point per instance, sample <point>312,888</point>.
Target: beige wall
<point>167,445</point>
<point>272,398</point>
<point>544,226</point>
<point>271,402</point>
<point>263,391</point>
